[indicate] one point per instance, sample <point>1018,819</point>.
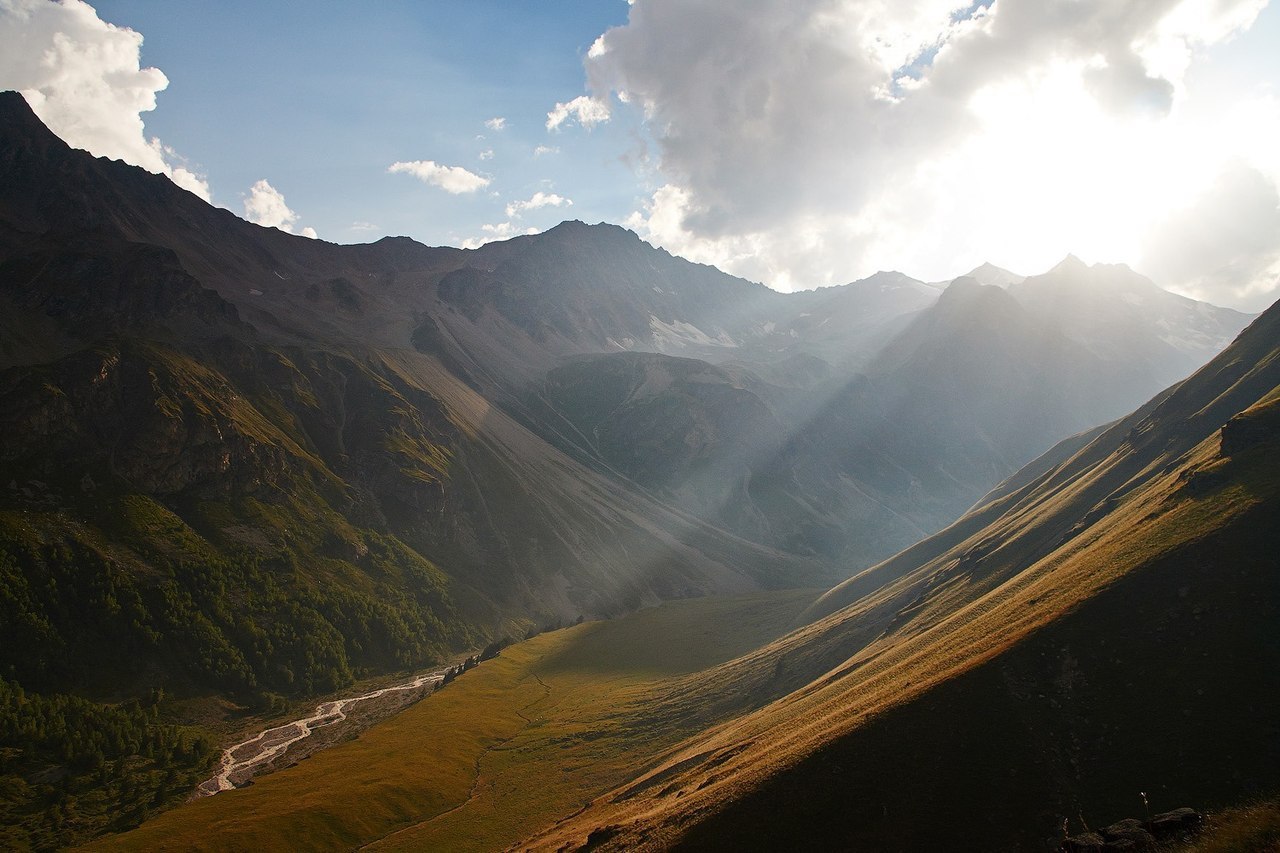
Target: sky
<point>799,143</point>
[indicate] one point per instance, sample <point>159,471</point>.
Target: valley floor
<point>513,745</point>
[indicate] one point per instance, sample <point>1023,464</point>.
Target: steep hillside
<point>1103,629</point>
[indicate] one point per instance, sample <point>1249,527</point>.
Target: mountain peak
<point>990,274</point>
<point>577,226</point>
<point>1070,264</point>
<point>19,121</point>
<point>888,278</point>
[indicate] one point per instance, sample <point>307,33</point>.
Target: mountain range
<point>241,465</point>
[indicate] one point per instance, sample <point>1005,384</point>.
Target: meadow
<point>511,746</point>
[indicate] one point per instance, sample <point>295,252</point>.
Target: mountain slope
<point>1055,652</point>
<point>862,466</point>
<point>194,393</point>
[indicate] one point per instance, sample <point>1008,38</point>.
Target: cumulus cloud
<point>496,231</point>
<point>84,78</point>
<point>451,179</point>
<point>543,150</point>
<point>496,123</point>
<point>804,142</point>
<point>586,110</point>
<point>537,200</point>
<point>309,232</point>
<point>486,154</point>
<point>265,206</point>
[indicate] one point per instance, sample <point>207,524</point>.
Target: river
<point>239,762</point>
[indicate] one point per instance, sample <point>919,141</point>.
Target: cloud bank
<point>804,142</point>
<point>84,78</point>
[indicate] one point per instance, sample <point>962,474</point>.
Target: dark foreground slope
<point>1106,628</point>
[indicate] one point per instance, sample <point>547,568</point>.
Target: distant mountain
<point>1124,317</point>
<point>791,469</point>
<point>1102,624</point>
<point>846,325</point>
<point>987,386</point>
<point>994,276</point>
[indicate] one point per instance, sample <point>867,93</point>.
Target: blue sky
<point>319,99</point>
<point>795,142</point>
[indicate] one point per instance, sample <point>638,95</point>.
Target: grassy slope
<point>1251,826</point>
<point>1139,503</point>
<point>512,745</point>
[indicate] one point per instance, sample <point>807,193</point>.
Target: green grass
<point>514,744</point>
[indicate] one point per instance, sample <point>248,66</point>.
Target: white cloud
<point>537,200</point>
<point>83,78</point>
<point>265,206</point>
<point>804,142</point>
<point>496,231</point>
<point>543,150</point>
<point>486,154</point>
<point>587,110</point>
<point>451,179</point>
<point>496,123</point>
<point>309,232</point>
<point>362,226</point>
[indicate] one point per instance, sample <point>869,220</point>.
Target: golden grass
<point>1251,828</point>
<point>507,748</point>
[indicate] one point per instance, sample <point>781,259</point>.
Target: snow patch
<point>679,335</point>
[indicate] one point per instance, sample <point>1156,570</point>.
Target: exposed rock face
<point>159,432</point>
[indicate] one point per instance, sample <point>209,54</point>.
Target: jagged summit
<point>989,273</point>
<point>577,229</point>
